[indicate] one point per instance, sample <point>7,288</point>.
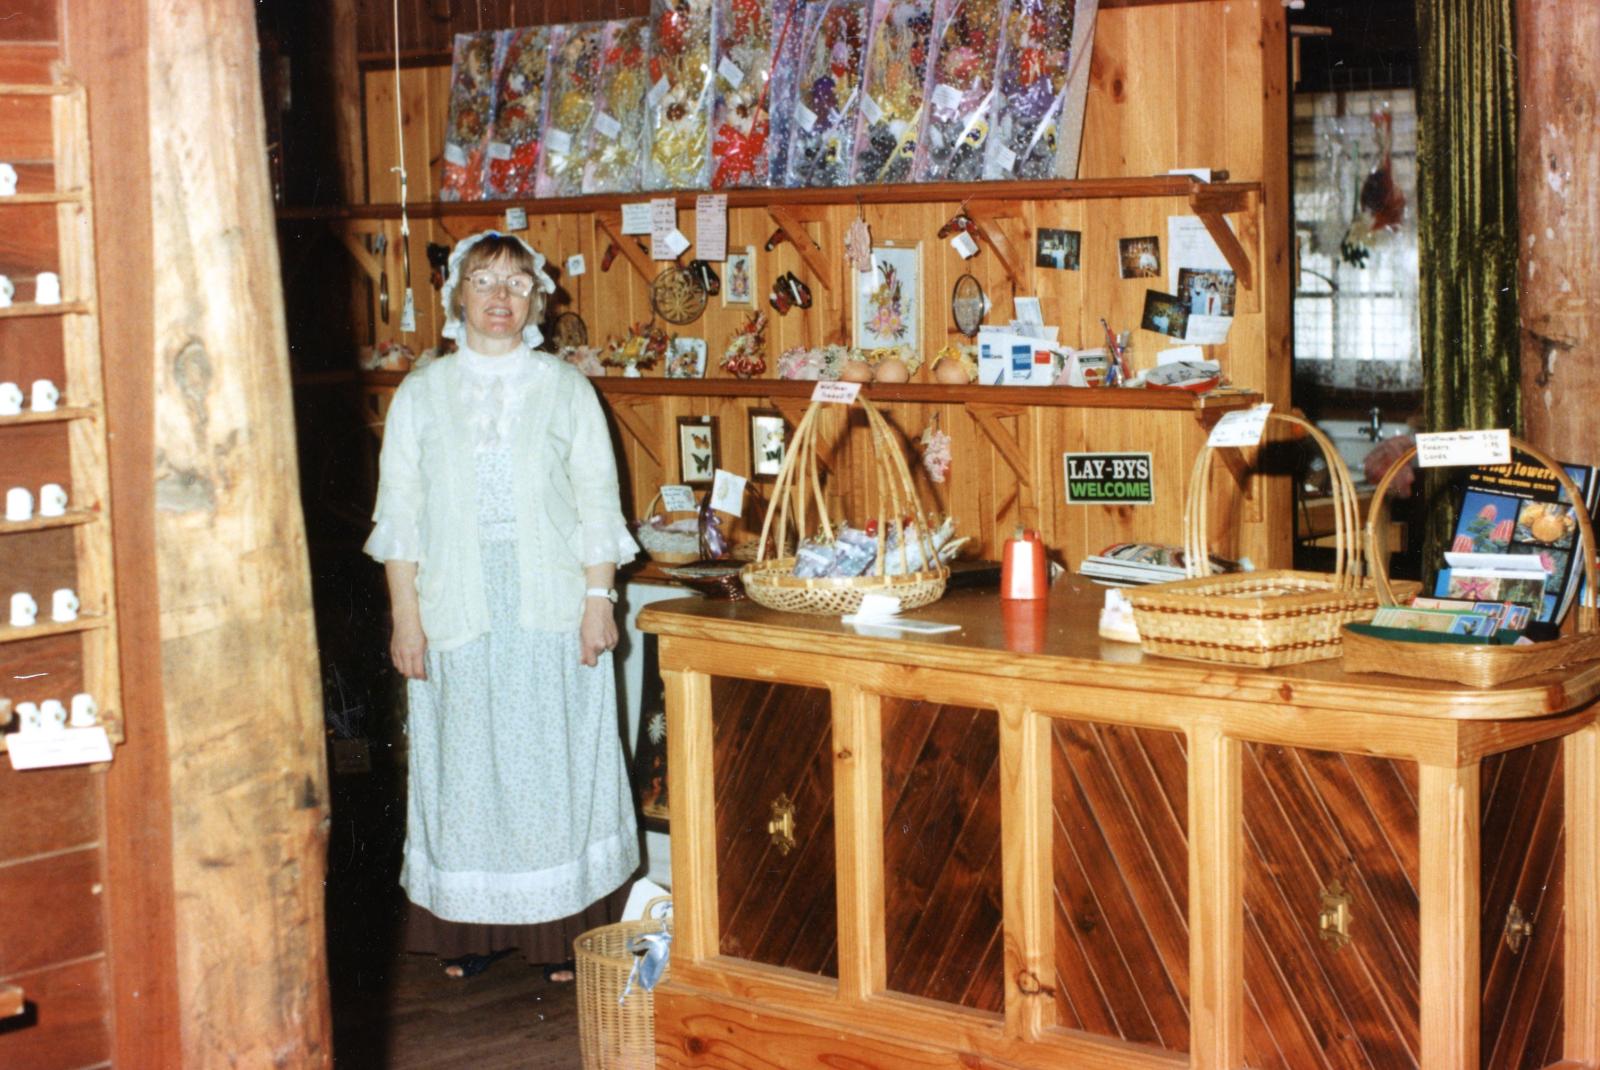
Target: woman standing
<point>500,530</point>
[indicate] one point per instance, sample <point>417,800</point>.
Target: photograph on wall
<point>686,358</point>
<point>889,298</point>
<point>768,433</point>
<point>697,450</point>
<point>1139,258</point>
<point>1207,292</point>
<point>739,278</point>
<point>1057,249</point>
<point>1165,314</point>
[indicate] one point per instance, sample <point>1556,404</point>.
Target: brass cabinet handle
<point>1334,921</point>
<point>780,826</point>
<point>1518,929</point>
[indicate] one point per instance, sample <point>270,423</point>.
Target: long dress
<point>519,816</point>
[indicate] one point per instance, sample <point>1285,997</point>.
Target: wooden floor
<point>415,1018</point>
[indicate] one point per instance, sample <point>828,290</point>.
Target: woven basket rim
<point>774,573</point>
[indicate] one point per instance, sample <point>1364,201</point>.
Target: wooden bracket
<point>810,252</point>
<point>991,218</point>
<point>1210,206</point>
<point>988,417</point>
<point>639,418</point>
<point>350,232</point>
<point>639,257</point>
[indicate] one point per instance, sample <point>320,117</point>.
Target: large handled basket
<point>1472,664</point>
<point>770,581</point>
<point>616,1033</point>
<point>1273,617</point>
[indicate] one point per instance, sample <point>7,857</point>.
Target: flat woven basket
<point>613,1033</point>
<point>1274,617</point>
<point>770,581</point>
<point>1476,666</point>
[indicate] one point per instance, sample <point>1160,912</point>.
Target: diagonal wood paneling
<point>1121,863</point>
<point>1523,854</point>
<point>1310,818</point>
<point>770,739</point>
<point>941,853</point>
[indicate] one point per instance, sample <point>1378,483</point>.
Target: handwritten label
<point>711,226</point>
<point>636,217</point>
<point>730,72</point>
<point>839,392</point>
<point>516,219</point>
<point>68,746</point>
<point>727,492</point>
<point>1443,449</point>
<point>606,125</point>
<point>963,244</point>
<point>1243,427</point>
<point>576,265</point>
<point>678,498</point>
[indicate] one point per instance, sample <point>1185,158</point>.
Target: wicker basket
<point>616,1033</point>
<point>1476,665</point>
<point>669,547</point>
<point>1275,617</point>
<point>770,581</point>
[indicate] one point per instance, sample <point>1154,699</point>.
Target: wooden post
<point>1558,171</point>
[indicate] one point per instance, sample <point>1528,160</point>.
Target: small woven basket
<point>616,1033</point>
<point>669,547</point>
<point>770,581</point>
<point>1476,665</point>
<point>1274,617</point>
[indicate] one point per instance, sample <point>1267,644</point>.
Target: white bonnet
<point>453,327</point>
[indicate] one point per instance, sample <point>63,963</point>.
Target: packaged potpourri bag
<point>741,118</point>
<point>900,44</point>
<point>683,63</point>
<point>619,131</point>
<point>960,92</point>
<point>572,87</point>
<point>523,59</point>
<point>1043,64</point>
<point>788,17</point>
<point>466,135</point>
<point>827,93</point>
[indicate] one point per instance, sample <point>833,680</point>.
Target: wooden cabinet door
<point>773,741</point>
<point>1313,818</point>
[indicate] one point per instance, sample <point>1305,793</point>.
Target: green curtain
<point>1467,224</point>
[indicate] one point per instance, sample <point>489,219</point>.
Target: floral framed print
<point>697,450</point>
<point>739,279</point>
<point>888,299</point>
<point>768,439</point>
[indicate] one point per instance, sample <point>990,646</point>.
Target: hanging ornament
<point>858,243</point>
<point>935,451</point>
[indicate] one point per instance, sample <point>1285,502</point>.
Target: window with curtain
<point>1355,181</point>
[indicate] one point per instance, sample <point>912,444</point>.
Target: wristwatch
<point>608,593</point>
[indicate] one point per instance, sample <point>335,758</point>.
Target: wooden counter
<point>1017,845</point>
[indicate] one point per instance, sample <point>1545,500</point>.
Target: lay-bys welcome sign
<point>1109,479</point>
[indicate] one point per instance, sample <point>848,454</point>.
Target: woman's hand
<point>408,649</point>
<point>598,632</point>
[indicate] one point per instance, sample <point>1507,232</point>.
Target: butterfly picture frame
<point>698,450</point>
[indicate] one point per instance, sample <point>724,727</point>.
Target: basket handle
<point>1347,569</point>
<point>1588,619</point>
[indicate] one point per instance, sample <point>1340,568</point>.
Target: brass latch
<point>1519,927</point>
<point>781,825</point>
<point>1334,921</point>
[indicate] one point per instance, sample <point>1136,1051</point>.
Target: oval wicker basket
<point>668,547</point>
<point>1474,665</point>
<point>1272,617</point>
<point>616,1033</point>
<point>770,581</point>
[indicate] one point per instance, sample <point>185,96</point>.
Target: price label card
<point>1241,428</point>
<point>963,244</point>
<point>711,226</point>
<point>727,492</point>
<point>807,117</point>
<point>558,141</point>
<point>606,125</point>
<point>870,109</point>
<point>499,150</point>
<point>678,498</point>
<point>408,313</point>
<point>1444,449</point>
<point>664,224</point>
<point>657,92</point>
<point>669,245</point>
<point>946,98</point>
<point>455,154</point>
<point>1005,158</point>
<point>636,218</point>
<point>516,219</point>
<point>576,265</point>
<point>67,746</point>
<point>839,392</point>
<point>730,72</point>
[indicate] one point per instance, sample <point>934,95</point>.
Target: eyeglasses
<point>486,282</point>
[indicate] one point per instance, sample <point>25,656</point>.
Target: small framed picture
<point>768,439</point>
<point>697,450</point>
<point>1164,314</point>
<point>888,299</point>
<point>739,278</point>
<point>686,358</point>
<point>1057,249</point>
<point>1206,293</point>
<point>1139,258</point>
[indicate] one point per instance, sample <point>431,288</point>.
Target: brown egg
<point>856,371</point>
<point>892,370</point>
<point>952,371</point>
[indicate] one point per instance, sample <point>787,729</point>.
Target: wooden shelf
<point>71,196</point>
<point>57,415</point>
<point>11,1001</point>
<point>45,628</point>
<point>71,518</point>
<point>28,308</point>
<point>59,89</point>
<point>111,721</point>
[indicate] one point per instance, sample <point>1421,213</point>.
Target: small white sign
<point>946,98</point>
<point>1005,157</point>
<point>454,154</point>
<point>1028,310</point>
<point>1243,427</point>
<point>663,224</point>
<point>606,125</point>
<point>807,117</point>
<point>668,246</point>
<point>576,265</point>
<point>727,492</point>
<point>678,498</point>
<point>711,226</point>
<point>636,218</point>
<point>657,91</point>
<point>730,72</point>
<point>408,313</point>
<point>69,746</point>
<point>499,150</point>
<point>558,141</point>
<point>963,244</point>
<point>870,109</point>
<point>516,219</point>
<point>841,392</point>
<point>1444,449</point>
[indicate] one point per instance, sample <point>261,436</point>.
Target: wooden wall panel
<point>62,808</point>
<point>67,1027</point>
<point>941,853</point>
<point>30,348</point>
<point>771,739</point>
<point>1121,862</point>
<point>54,903</point>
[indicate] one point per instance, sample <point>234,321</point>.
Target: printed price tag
<point>727,492</point>
<point>67,746</point>
<point>636,218</point>
<point>730,72</point>
<point>870,109</point>
<point>1241,428</point>
<point>807,117</point>
<point>678,498</point>
<point>1444,449</point>
<point>963,244</point>
<point>558,141</point>
<point>606,125</point>
<point>576,265</point>
<point>455,154</point>
<point>1005,158</point>
<point>946,98</point>
<point>408,313</point>
<point>516,219</point>
<point>499,150</point>
<point>840,392</point>
<point>711,226</point>
<point>657,91</point>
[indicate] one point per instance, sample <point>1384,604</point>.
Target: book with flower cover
<point>1520,508</point>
